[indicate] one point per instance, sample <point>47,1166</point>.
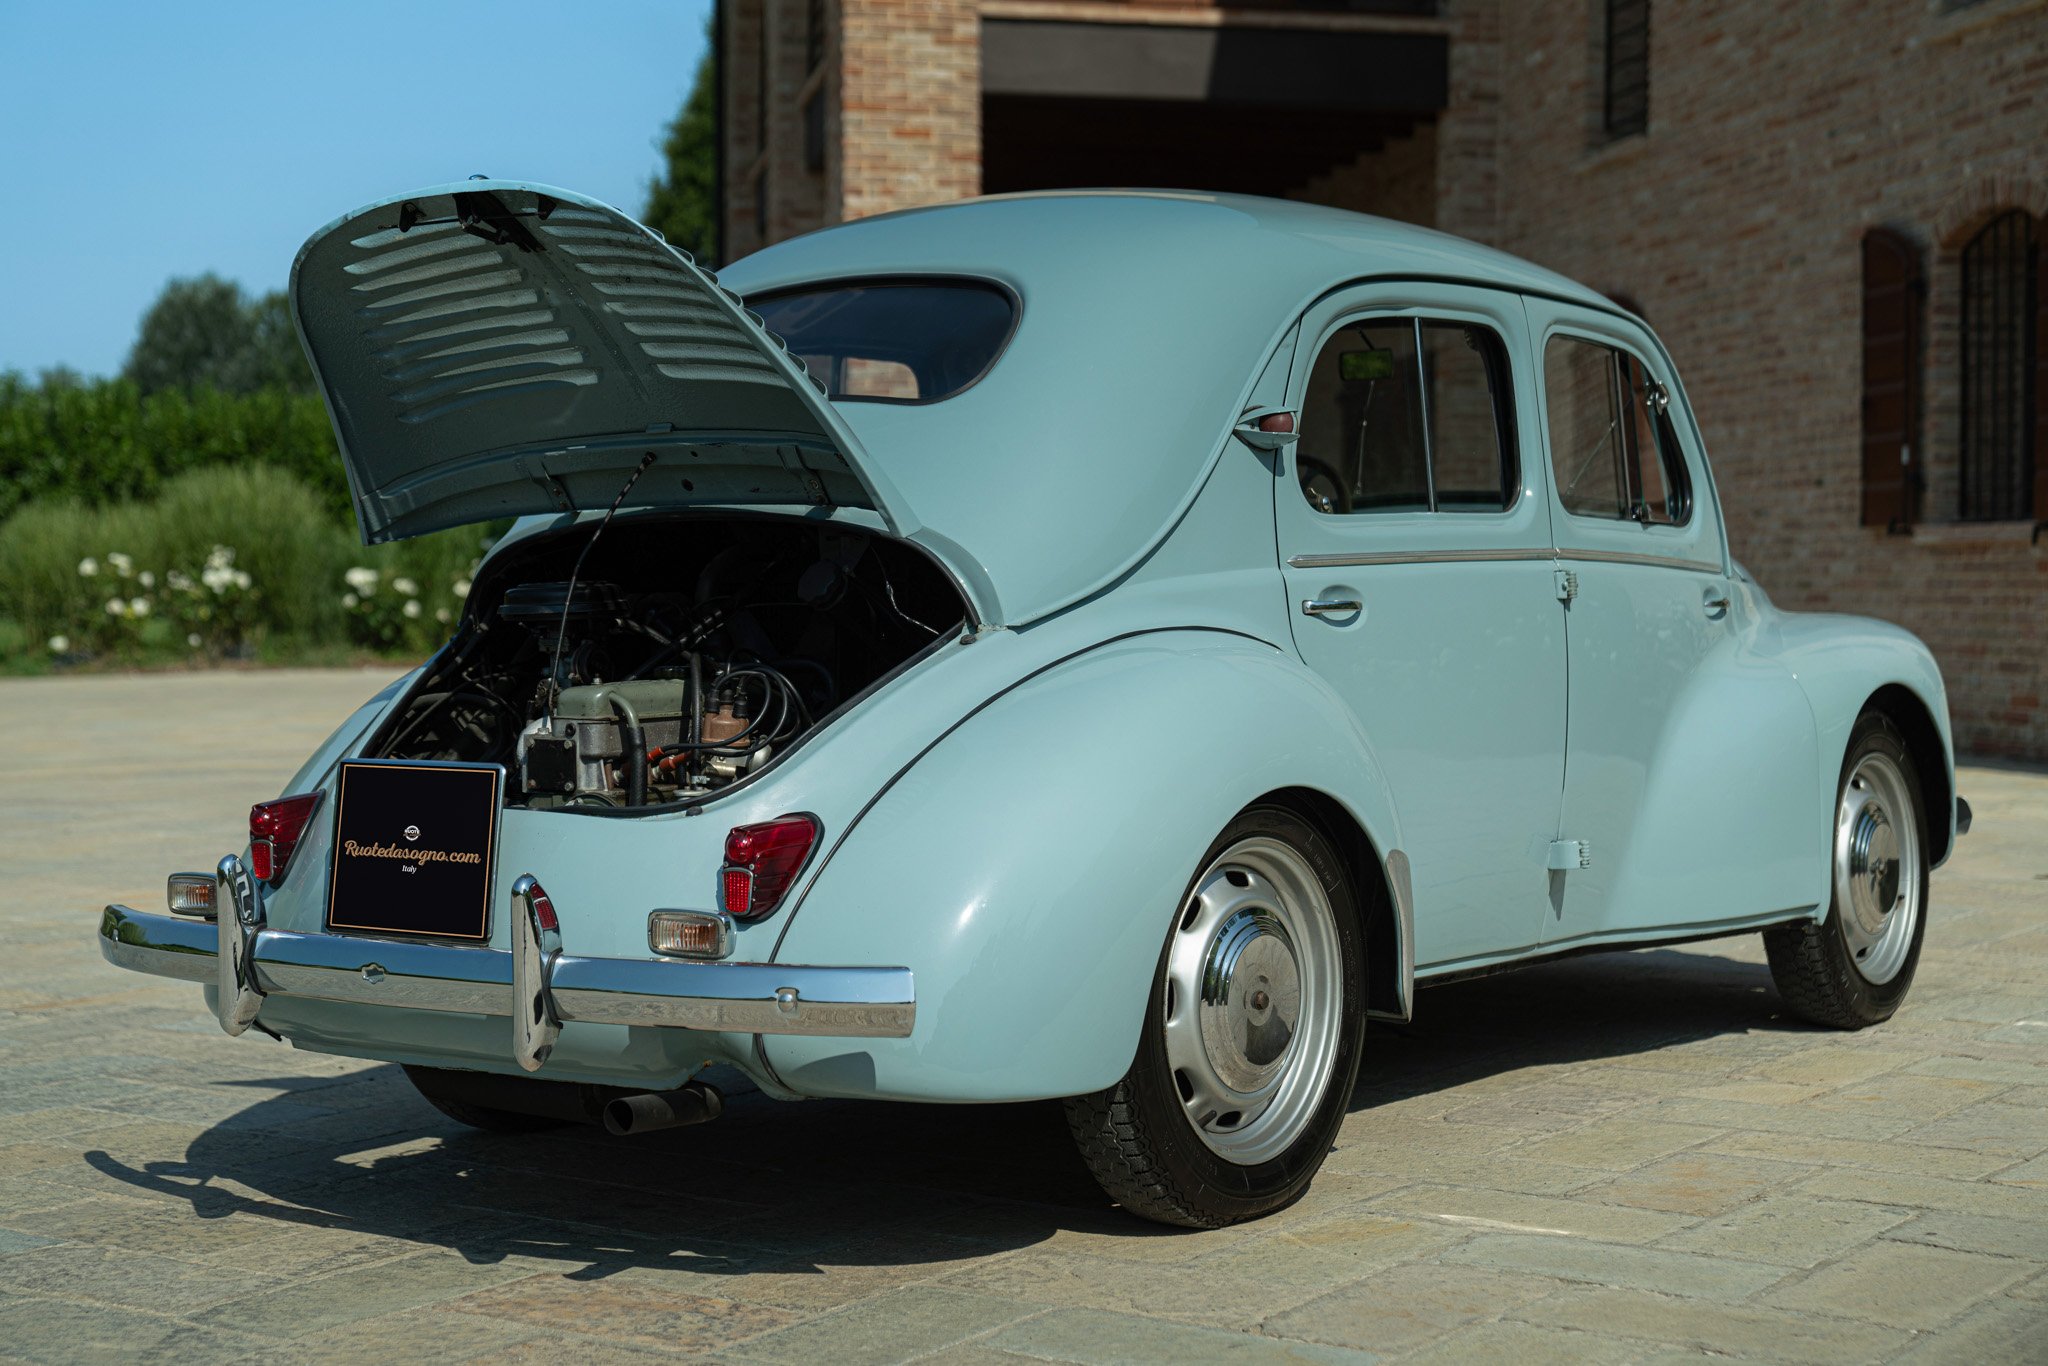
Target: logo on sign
<point>412,832</point>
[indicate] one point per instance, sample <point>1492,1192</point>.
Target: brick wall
<point>1778,134</point>
<point>911,129</point>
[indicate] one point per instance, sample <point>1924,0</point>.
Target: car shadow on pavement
<point>793,1189</point>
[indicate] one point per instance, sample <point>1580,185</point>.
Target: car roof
<point>1027,235</point>
<point>1146,317</point>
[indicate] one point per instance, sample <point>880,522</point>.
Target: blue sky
<point>146,141</point>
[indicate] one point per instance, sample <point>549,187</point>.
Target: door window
<point>1407,415</point>
<point>1611,443</point>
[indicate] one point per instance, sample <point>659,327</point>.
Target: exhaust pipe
<point>695,1103</point>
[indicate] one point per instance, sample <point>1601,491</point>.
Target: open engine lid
<point>494,348</point>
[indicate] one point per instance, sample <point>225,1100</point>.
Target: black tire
<point>1139,1142</point>
<point>1812,962</point>
<point>452,1094</point>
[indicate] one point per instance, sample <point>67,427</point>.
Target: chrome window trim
<point>1345,560</point>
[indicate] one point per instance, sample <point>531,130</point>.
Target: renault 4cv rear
<point>871,560</point>
<point>891,684</point>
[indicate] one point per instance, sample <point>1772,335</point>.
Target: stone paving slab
<point>1633,1158</point>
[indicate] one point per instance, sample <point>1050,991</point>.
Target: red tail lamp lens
<point>761,861</point>
<point>274,830</point>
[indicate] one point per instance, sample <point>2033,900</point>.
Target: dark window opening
<point>814,131</point>
<point>1613,450</point>
<point>814,34</point>
<point>2001,303</point>
<point>1626,109</point>
<point>893,341</point>
<point>1408,416</point>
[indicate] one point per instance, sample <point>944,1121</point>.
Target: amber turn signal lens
<point>689,934</point>
<point>190,893</point>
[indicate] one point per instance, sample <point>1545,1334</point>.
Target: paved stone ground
<point>1628,1158</point>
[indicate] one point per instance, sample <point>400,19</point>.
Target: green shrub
<point>226,562</point>
<point>102,441</point>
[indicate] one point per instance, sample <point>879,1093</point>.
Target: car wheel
<point>1251,1037</point>
<point>1853,968</point>
<point>445,1091</point>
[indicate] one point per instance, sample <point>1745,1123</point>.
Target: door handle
<point>1331,607</point>
<point>1714,601</point>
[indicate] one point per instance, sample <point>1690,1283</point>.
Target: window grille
<point>1627,49</point>
<point>1999,297</point>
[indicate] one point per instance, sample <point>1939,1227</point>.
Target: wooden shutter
<point>1891,378</point>
<point>2040,342</point>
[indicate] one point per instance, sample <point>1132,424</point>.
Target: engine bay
<point>667,658</point>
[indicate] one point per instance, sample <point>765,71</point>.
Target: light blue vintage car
<point>1089,645</point>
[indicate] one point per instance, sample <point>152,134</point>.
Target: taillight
<point>760,863</point>
<point>274,830</point>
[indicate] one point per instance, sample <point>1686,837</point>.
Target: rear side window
<point>893,341</point>
<point>1404,415</point>
<point>1611,444</point>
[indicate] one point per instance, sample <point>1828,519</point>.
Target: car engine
<point>700,669</point>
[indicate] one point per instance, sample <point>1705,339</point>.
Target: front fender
<point>1028,865</point>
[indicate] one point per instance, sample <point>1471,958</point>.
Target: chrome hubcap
<point>1253,1000</point>
<point>1877,868</point>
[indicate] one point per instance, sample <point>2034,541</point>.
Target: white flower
<point>179,582</point>
<point>216,576</point>
<point>138,607</point>
<point>241,578</point>
<point>116,608</point>
<point>192,639</point>
<point>59,644</point>
<point>146,579</point>
<point>443,615</point>
<point>220,557</point>
<point>88,567</point>
<point>406,587</point>
<point>412,607</point>
<point>462,588</point>
<point>362,579</point>
<point>122,565</point>
<point>349,600</point>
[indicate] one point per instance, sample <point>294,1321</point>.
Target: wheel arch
<point>1027,867</point>
<point>1382,884</point>
<point>1903,707</point>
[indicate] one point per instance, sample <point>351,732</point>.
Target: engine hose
<point>632,747</point>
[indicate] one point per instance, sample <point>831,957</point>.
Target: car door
<point>1414,531</point>
<point>1681,738</point>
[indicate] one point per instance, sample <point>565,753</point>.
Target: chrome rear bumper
<point>536,985</point>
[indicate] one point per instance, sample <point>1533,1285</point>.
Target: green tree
<point>683,202</point>
<point>204,333</point>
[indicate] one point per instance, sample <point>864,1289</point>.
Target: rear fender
<point>1027,867</point>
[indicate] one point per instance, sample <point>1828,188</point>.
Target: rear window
<point>893,341</point>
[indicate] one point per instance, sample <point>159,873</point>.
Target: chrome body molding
<point>538,987</point>
<point>1631,557</point>
<point>1347,559</point>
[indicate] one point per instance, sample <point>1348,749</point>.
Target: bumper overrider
<point>537,986</point>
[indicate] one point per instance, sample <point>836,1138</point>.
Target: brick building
<point>1835,216</point>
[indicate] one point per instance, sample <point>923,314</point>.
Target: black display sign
<point>414,848</point>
